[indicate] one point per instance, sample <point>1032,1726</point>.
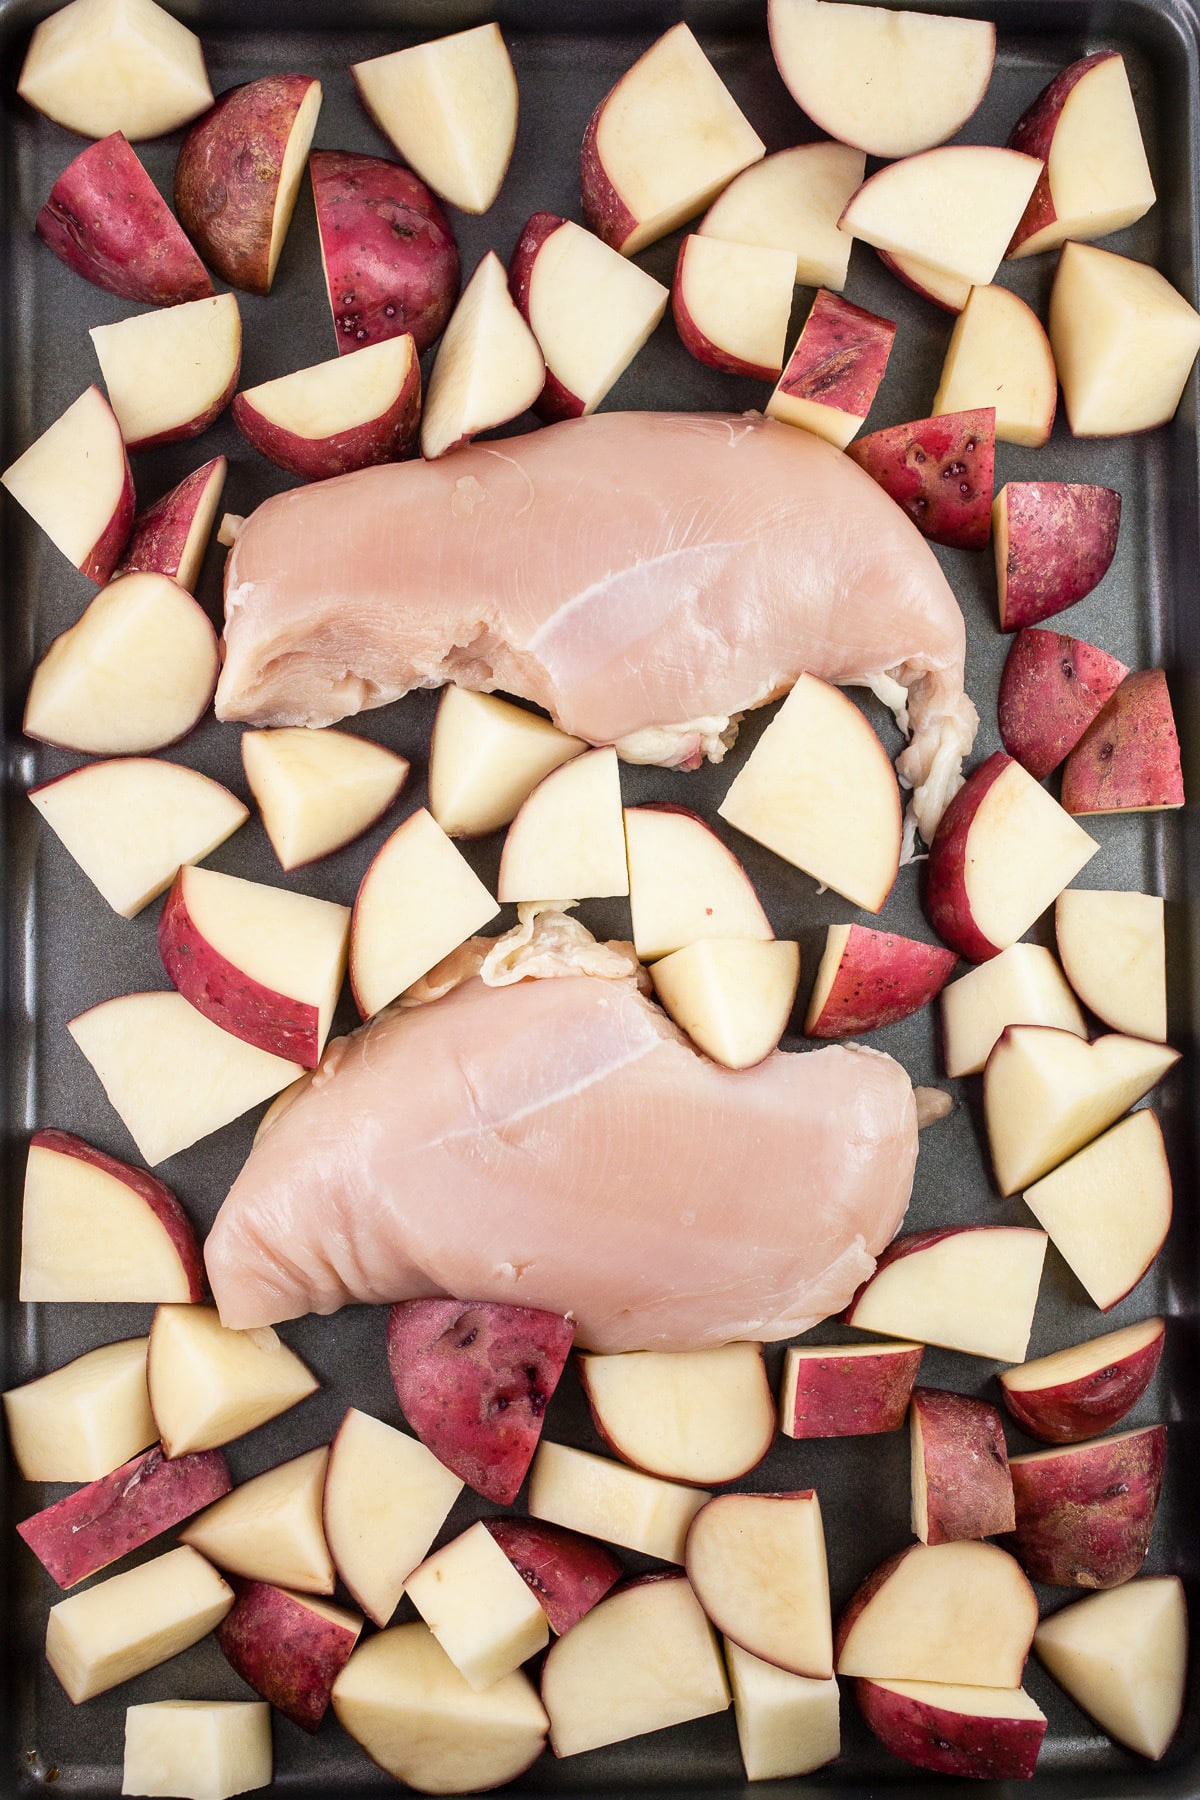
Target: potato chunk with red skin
<point>1128,758</point>
<point>940,470</point>
<point>1085,1512</point>
<point>1052,688</point>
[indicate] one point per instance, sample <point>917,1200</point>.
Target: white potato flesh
<point>318,790</point>
<point>209,1384</point>
<point>85,1419</point>
<point>479,1607</point>
<point>336,396</point>
<point>1097,170</point>
<point>786,1724</point>
<point>123,1626</point>
<point>999,356</point>
<point>958,1613</point>
<point>685,884</point>
<point>269,1528</point>
<point>591,310</point>
<point>170,370</point>
<point>738,297</point>
<point>757,1563</point>
<point>1078,1361</point>
<point>197,1749</point>
<point>291,173</point>
<point>71,480</point>
<point>568,840</point>
<point>972,1290</point>
<point>732,996</point>
<point>604,1499</point>
<point>793,201</point>
<point>1124,342</point>
<point>1022,986</point>
<point>955,207</point>
<point>1113,948</point>
<point>696,1416</point>
<point>98,66</point>
<point>88,1235</point>
<point>487,755</point>
<point>1022,850</point>
<point>1122,1657</point>
<point>488,367</point>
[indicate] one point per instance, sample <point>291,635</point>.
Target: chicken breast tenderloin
<point>559,1144</point>
<point>644,577</point>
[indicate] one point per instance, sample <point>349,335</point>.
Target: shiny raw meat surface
<point>559,1144</point>
<point>644,577</point>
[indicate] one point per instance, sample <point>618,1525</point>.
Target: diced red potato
<point>488,367</point>
<point>1075,1393</point>
<point>239,173</point>
<point>105,219</point>
<point>85,1418</point>
<point>337,416</point>
<point>757,1564</point>
<point>269,1528</point>
<point>115,65</point>
<point>1124,342</point>
<point>209,1385</point>
<point>662,144</point>
<point>846,1390</point>
<point>479,1607</point>
<point>969,1287</point>
<point>1113,948</point>
<point>999,356</point>
<point>940,470</point>
<point>390,260</point>
<point>1022,986</point>
<point>1051,689</point>
<point>733,996</point>
<point>607,1499</point>
<point>568,837</point>
<point>685,884</point>
<point>732,303</point>
<point>1122,1655</point>
<point>288,1647</point>
<point>1096,178</point>
<point>569,1573</point>
<point>75,482</point>
<point>786,1724</point>
<point>834,371</point>
<point>793,201</point>
<point>1054,542</point>
<point>1085,1512</point>
<point>474,1380</point>
<point>170,373</point>
<point>868,979</point>
<point>950,292</point>
<point>87,1530</point>
<point>984,1733</point>
<point>905,208</point>
<point>961,1487</point>
<point>960,1612</point>
<point>1128,758</point>
<point>590,309</point>
<point>702,1416</point>
<point>171,536</point>
<point>318,790</point>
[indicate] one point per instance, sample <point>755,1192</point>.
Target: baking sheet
<point>66,950</point>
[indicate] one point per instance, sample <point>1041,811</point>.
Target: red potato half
<point>1122,1655</point>
<point>337,416</point>
<point>940,1612</point>
<point>239,173</point>
<point>1003,852</point>
<point>75,482</point>
<point>834,371</point>
<point>1124,342</point>
<point>170,373</point>
<point>986,1734</point>
<point>105,219</point>
<point>288,1647</point>
<point>1054,542</point>
<point>171,536</point>
<point>1078,1392</point>
<point>846,1390</point>
<point>95,1228</point>
<point>590,309</point>
<point>474,1381</point>
<point>569,1574</point>
<point>905,208</point>
<point>96,1525</point>
<point>1128,758</point>
<point>793,201</point>
<point>662,144</point>
<point>262,962</point>
<point>940,470</point>
<point>1096,178</point>
<point>732,303</point>
<point>134,673</point>
<point>488,368</point>
<point>99,66</point>
<point>757,1564</point>
<point>961,1487</point>
<point>999,356</point>
<point>1051,690</point>
<point>390,260</point>
<point>1085,1512</point>
<point>891,84</point>
<point>704,1416</point>
<point>867,979</point>
<point>1113,948</point>
<point>969,1287</point>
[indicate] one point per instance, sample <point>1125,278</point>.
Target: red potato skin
<point>285,1651</point>
<point>161,536</point>
<point>1051,689</point>
<point>604,211</point>
<point>881,979</point>
<point>852,1396</point>
<point>99,565</point>
<point>1085,1516</point>
<point>1062,536</point>
<point>969,1491</point>
<point>893,267</point>
<point>474,1380</point>
<point>391,261</point>
<point>277,1023</point>
<point>568,1573</point>
<point>97,1524</point>
<point>556,401</point>
<point>105,219</point>
<point>1128,758</point>
<point>1071,1411</point>
<point>941,471</point>
<point>697,342</point>
<point>388,438</point>
<point>1032,135</point>
<point>157,1196</point>
<point>840,355</point>
<point>950,1743</point>
<point>946,905</point>
<point>227,176</point>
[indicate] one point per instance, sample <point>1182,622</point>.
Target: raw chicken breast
<point>558,1143</point>
<point>644,577</point>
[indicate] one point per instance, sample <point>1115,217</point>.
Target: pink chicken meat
<point>558,1143</point>
<point>643,577</point>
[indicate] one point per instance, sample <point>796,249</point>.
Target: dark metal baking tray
<point>65,949</point>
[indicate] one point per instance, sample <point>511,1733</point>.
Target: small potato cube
<point>85,1419</point>
<point>479,1608</point>
<point>197,1749</point>
<point>125,1625</point>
